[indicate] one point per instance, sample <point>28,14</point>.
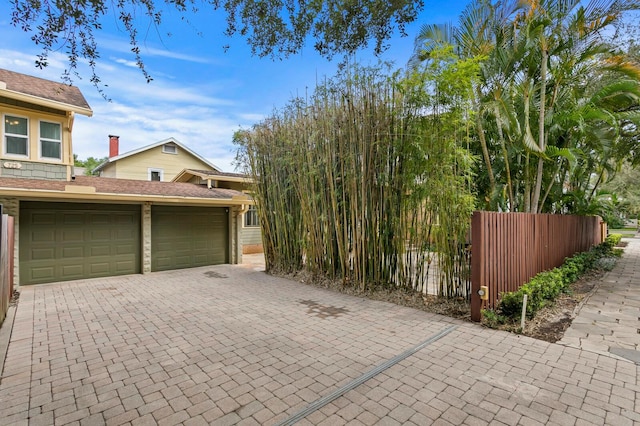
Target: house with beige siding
<point>70,227</point>
<point>161,161</point>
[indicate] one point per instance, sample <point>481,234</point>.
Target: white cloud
<point>253,117</point>
<point>125,62</point>
<point>121,46</point>
<point>202,116</point>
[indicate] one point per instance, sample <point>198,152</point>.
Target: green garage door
<point>185,237</point>
<point>67,241</point>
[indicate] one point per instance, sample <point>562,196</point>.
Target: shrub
<point>547,285</point>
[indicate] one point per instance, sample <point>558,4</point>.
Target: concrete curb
<point>5,336</point>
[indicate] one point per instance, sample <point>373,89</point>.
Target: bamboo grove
<point>364,182</point>
<point>524,106</point>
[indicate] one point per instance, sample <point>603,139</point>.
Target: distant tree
<point>89,164</point>
<point>273,28</point>
<point>625,186</point>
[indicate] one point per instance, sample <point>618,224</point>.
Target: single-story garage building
<point>94,227</point>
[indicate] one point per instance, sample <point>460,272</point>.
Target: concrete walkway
<point>609,320</point>
<point>232,345</point>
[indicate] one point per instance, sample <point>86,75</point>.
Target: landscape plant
<point>367,181</point>
<point>556,102</point>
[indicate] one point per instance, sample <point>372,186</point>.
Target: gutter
<point>88,194</point>
<point>45,102</point>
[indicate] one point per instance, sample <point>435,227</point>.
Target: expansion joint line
<point>319,403</point>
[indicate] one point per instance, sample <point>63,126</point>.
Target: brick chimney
<point>113,145</point>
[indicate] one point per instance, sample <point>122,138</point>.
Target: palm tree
<point>534,98</point>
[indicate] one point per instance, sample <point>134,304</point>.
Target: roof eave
<point>207,176</point>
<point>46,102</point>
<point>235,200</point>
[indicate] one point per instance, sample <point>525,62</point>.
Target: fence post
<point>4,283</point>
<point>477,264</point>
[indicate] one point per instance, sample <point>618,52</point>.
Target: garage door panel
<point>72,252</point>
<point>72,235</point>
<point>200,244</point>
<point>100,268</point>
<point>103,250</point>
<point>74,271</point>
<point>43,254</point>
<point>65,241</point>
<point>124,249</point>
<point>99,219</point>
<point>100,234</point>
<point>43,236</point>
<point>42,272</point>
<point>68,218</point>
<point>42,219</point>
<point>124,219</point>
<point>184,237</point>
<point>124,266</point>
<point>182,261</point>
<point>124,234</point>
<point>162,263</point>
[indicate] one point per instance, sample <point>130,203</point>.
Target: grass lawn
<point>626,232</point>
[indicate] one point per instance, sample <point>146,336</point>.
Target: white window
<point>16,135</point>
<point>51,140</point>
<point>155,174</point>
<point>251,219</point>
<point>169,149</point>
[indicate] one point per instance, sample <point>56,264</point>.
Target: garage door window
<point>16,135</point>
<point>50,140</point>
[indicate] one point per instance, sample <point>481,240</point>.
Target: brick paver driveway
<point>230,345</point>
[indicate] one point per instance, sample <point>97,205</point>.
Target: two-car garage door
<point>68,241</point>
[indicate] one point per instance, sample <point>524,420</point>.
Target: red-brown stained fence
<point>6,262</point>
<point>508,249</point>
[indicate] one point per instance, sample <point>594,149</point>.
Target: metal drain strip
<point>319,403</point>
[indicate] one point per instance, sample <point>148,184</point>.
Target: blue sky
<point>200,94</point>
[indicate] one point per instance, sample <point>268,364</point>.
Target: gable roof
<point>154,145</point>
<point>88,187</point>
<point>35,90</point>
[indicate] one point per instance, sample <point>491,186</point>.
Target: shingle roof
<point>124,187</point>
<point>45,89</point>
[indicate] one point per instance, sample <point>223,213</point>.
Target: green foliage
<point>492,319</point>
<point>89,164</point>
<point>358,183</point>
<point>547,285</point>
<point>555,106</point>
<point>271,27</point>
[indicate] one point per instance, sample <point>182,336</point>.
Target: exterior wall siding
<point>136,166</point>
<point>251,235</point>
<point>31,170</point>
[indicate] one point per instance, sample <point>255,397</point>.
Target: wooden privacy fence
<point>508,249</point>
<point>6,263</point>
